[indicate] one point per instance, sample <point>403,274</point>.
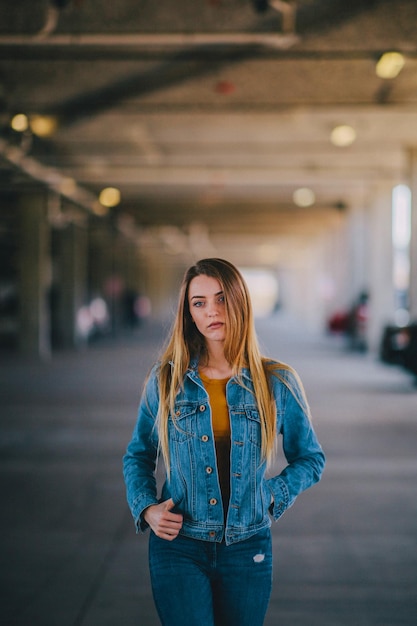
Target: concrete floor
<point>344,555</point>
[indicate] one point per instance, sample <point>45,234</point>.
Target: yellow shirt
<point>216,389</point>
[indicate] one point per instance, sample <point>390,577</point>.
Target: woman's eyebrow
<point>219,293</point>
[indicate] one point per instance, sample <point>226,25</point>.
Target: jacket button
<point>204,438</point>
<point>209,470</point>
<point>212,533</point>
<point>178,413</point>
<point>213,501</point>
<point>202,407</point>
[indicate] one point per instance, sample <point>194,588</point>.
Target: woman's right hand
<point>164,524</point>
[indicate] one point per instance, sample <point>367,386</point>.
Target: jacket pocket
<point>254,426</point>
<point>182,425</point>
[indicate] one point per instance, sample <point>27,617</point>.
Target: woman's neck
<point>215,364</point>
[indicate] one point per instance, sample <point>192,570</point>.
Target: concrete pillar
<point>161,279</point>
<point>313,275</point>
<point>72,283</point>
<point>358,237</point>
<point>380,264</point>
<point>334,285</point>
<point>34,274</point>
<point>413,243</point>
<point>301,281</point>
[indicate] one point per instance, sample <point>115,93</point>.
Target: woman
<point>214,407</point>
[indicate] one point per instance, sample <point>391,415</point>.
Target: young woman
<point>214,408</point>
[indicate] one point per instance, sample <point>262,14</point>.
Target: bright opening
<point>401,236</point>
<point>263,288</point>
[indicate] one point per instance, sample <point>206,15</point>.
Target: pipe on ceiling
<point>168,40</point>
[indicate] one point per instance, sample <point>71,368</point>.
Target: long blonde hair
<point>241,349</point>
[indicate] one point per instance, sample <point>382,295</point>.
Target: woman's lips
<point>215,325</point>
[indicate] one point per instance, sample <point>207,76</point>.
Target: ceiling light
<point>109,197</point>
<point>43,125</point>
<point>304,197</point>
<point>20,123</point>
<point>390,65</point>
<point>343,136</point>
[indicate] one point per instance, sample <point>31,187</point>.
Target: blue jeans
<point>200,583</point>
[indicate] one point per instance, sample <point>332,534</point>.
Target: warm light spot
<point>43,125</point>
<point>304,197</point>
<point>343,136</point>
<point>99,209</point>
<point>20,123</point>
<point>390,65</point>
<point>109,197</point>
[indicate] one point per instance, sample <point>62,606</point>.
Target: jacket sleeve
<point>301,448</point>
<point>139,462</point>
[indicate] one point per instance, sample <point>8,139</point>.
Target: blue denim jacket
<point>194,484</point>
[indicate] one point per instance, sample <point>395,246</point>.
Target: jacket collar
<point>193,370</point>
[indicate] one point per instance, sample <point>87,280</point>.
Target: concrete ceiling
<point>209,114</point>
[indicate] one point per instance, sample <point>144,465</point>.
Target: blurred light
<point>390,65</point>
<point>402,317</point>
<point>98,310</point>
<point>20,123</point>
<point>343,136</point>
<point>92,318</point>
<point>109,197</point>
<point>84,322</point>
<point>225,87</point>
<point>401,216</point>
<point>304,197</point>
<point>43,125</point>
<point>401,238</point>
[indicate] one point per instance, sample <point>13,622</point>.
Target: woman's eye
<point>198,303</point>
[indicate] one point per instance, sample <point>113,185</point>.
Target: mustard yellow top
<point>216,389</point>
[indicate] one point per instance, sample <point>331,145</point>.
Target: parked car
<point>399,346</point>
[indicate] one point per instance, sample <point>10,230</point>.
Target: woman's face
<point>207,307</point>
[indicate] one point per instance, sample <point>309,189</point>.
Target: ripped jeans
<point>199,583</point>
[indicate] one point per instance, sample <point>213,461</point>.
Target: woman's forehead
<point>204,286</point>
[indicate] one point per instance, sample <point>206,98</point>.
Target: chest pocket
<point>254,426</point>
<point>182,425</point>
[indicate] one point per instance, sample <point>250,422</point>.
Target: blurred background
<point>137,137</point>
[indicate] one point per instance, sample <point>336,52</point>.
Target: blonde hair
<point>241,349</point>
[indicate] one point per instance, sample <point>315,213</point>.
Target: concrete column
<point>161,279</point>
<point>413,243</point>
<point>300,283</point>
<point>72,287</point>
<point>334,285</point>
<point>358,237</point>
<point>380,263</point>
<point>34,274</point>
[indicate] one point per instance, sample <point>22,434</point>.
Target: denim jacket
<point>194,485</point>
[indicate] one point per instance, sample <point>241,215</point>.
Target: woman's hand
<point>164,524</point>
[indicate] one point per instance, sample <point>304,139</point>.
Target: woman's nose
<point>212,309</point>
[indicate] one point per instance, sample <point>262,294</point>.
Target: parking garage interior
<point>136,138</point>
